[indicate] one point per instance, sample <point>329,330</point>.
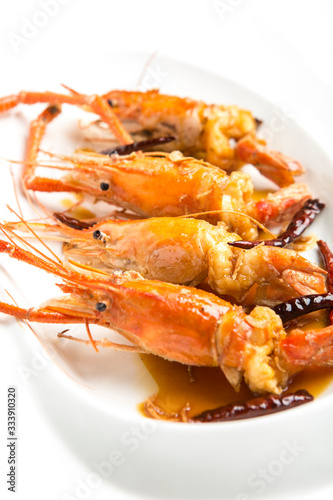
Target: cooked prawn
<point>179,323</point>
<point>156,185</point>
<point>188,251</point>
<point>203,131</point>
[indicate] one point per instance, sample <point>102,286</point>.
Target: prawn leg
<point>36,134</point>
<point>35,137</point>
<point>93,103</point>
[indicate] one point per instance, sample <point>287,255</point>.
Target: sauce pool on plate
<point>204,388</point>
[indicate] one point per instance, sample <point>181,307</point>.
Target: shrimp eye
<point>104,186</point>
<point>97,235</point>
<point>100,306</point>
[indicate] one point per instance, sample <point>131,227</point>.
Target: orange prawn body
<point>173,321</point>
<point>203,131</point>
<point>158,185</point>
<point>164,185</point>
<point>178,323</point>
<point>188,251</point>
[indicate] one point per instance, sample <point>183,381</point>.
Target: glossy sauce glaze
<point>202,388</point>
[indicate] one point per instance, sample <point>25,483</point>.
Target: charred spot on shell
<point>100,306</point>
<point>104,186</point>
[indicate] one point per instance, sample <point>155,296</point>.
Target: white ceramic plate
<point>287,454</point>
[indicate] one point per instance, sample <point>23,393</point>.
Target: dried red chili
<point>138,146</point>
<point>327,255</point>
<point>257,407</point>
<point>301,221</point>
<point>294,308</point>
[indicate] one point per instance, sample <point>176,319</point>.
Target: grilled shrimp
<point>154,184</point>
<point>179,323</point>
<point>187,251</point>
<point>159,184</point>
<point>202,131</point>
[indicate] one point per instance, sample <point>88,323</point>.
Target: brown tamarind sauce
<point>204,388</point>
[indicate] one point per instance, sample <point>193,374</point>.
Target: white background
<point>280,49</point>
